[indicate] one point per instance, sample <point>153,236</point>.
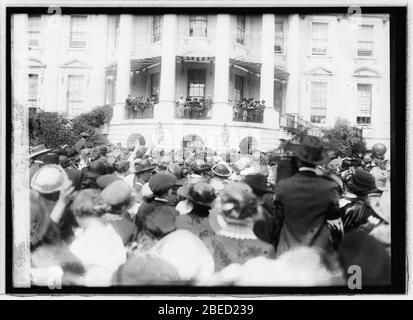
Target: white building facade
<point>305,69</point>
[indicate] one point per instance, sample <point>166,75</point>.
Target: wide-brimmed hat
<point>106,179</point>
<point>200,193</point>
<point>199,166</point>
<point>144,165</point>
<point>49,179</point>
<point>310,150</point>
<point>222,169</point>
<point>38,150</point>
<point>362,182</point>
<point>258,183</point>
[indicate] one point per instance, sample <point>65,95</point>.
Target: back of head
<point>88,203</point>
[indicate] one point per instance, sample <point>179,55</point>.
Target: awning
<point>140,64</point>
<point>194,59</point>
<point>280,73</point>
<point>253,67</point>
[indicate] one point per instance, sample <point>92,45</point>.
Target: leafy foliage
<point>345,140</point>
<point>54,129</point>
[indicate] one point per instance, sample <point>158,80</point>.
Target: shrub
<point>345,140</point>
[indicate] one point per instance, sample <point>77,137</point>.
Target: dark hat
<point>311,150</point>
<point>116,193</point>
<point>106,179</point>
<point>144,165</point>
<point>200,193</point>
<point>145,269</point>
<point>96,168</point>
<point>49,158</point>
<point>103,151</point>
<point>222,169</point>
<point>360,249</point>
<point>38,150</point>
<point>122,165</point>
<point>199,166</point>
<point>258,183</point>
<point>178,172</point>
<point>362,182</point>
<point>64,161</point>
<point>84,134</point>
<point>160,183</point>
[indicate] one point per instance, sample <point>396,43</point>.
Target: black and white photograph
<point>206,148</point>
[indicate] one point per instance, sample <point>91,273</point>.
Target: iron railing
<point>194,109</point>
<point>140,107</point>
<point>249,110</point>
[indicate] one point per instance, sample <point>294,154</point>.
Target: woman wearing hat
<point>358,211</point>
<point>232,221</point>
<point>194,210</point>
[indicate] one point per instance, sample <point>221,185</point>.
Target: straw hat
<point>49,179</point>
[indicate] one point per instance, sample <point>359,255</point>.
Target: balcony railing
<point>248,110</point>
<point>194,109</point>
<point>140,107</point>
<point>294,124</point>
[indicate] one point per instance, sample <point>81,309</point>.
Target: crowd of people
<point>113,216</point>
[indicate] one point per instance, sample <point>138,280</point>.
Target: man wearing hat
<point>36,156</point>
<point>306,200</point>
<point>161,185</point>
<point>82,143</point>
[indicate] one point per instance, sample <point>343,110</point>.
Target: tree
<point>345,140</point>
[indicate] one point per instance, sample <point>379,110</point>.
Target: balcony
<point>193,108</point>
<point>294,124</point>
<point>139,107</point>
<point>248,110</point>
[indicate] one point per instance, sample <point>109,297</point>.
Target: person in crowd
<point>160,185</point>
<point>232,219</point>
<point>97,245</point>
<point>49,182</point>
<point>358,212</point>
<point>220,173</point>
<point>90,173</point>
<point>120,197</point>
<point>266,226</point>
<point>306,201</point>
<point>37,154</point>
<point>82,143</point>
<point>194,209</point>
<point>143,170</point>
<point>74,175</point>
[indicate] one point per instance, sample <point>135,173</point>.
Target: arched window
<point>133,138</point>
<point>193,143</point>
<point>247,145</point>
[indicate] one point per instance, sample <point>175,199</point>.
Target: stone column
<point>122,87</point>
<point>20,150</point>
<point>293,93</point>
<point>221,110</point>
<point>165,109</point>
<point>271,116</point>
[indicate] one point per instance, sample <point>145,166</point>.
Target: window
<point>240,30</point>
<point>278,95</point>
<point>198,26</point>
<point>116,28</point>
<point>33,90</point>
<point>318,102</point>
<point>196,83</point>
<point>279,37</point>
<point>155,84</point>
<point>75,94</point>
<point>319,38</point>
<point>365,40</point>
<point>364,103</point>
<point>78,31</point>
<point>157,28</point>
<point>34,26</point>
<point>238,87</point>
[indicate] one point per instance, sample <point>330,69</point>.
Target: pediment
<point>75,64</point>
<point>36,63</point>
<point>366,72</point>
<point>320,71</point>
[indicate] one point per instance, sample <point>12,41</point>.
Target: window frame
<point>193,19</point>
<point>192,71</point>
<point>326,84</point>
<point>313,40</point>
<point>29,99</point>
<point>30,31</point>
<point>85,32</point>
<point>83,98</point>
<point>358,41</point>
<point>240,29</point>
<point>360,113</point>
<point>282,37</point>
<point>157,27</point>
<point>241,90</point>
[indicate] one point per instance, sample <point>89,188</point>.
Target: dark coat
<point>305,201</point>
<point>123,226</point>
<point>75,176</point>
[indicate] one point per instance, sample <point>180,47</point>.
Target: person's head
<point>49,180</point>
<point>310,152</point>
<point>64,161</point>
<point>161,184</point>
<point>237,204</point>
<point>361,182</point>
<point>122,167</point>
<point>119,196</point>
<point>258,183</point>
<point>200,195</point>
<point>88,204</point>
